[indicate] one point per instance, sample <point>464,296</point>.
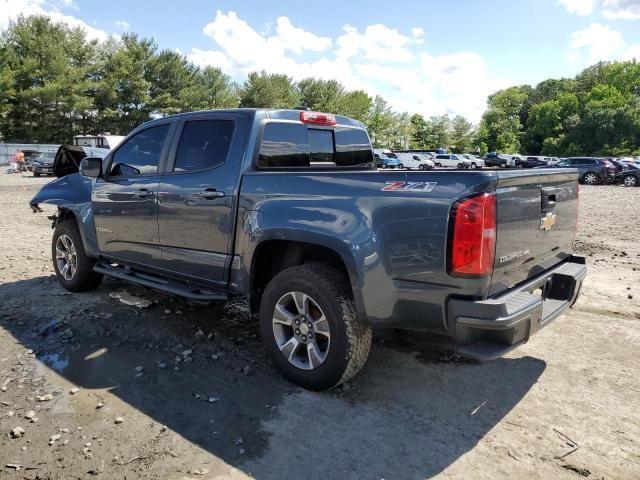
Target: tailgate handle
<point>548,199</point>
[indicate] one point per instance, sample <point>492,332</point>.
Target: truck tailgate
<point>536,224</point>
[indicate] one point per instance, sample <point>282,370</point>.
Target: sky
<point>429,57</point>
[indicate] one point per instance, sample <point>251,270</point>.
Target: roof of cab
<point>275,113</point>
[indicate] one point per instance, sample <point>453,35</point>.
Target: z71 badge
<point>400,186</point>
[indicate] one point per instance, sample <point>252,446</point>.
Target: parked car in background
<point>474,161</point>
<point>531,162</point>
<point>494,159</point>
<point>43,164</point>
<point>630,177</point>
<point>29,155</point>
<point>451,160</point>
<point>385,158</point>
<point>414,161</point>
<point>592,171</point>
<point>619,165</point>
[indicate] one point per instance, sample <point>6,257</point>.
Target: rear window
<point>292,145</point>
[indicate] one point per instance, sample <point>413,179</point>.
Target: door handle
<point>211,193</point>
<point>143,193</point>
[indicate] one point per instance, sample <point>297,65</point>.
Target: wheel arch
<point>275,253</point>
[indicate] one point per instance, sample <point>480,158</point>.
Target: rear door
<point>124,201</point>
<point>197,195</point>
<point>536,222</point>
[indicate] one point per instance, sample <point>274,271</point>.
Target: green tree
<point>379,122</point>
<point>320,95</point>
<point>462,135</point>
<point>262,90</point>
<point>355,104</point>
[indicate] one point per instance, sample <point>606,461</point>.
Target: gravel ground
<point>92,387</point>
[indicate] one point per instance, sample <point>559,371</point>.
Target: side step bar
<point>171,287</point>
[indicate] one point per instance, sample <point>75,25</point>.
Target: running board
<point>164,285</point>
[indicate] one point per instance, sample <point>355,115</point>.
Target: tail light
<point>473,242</point>
<point>317,118</point>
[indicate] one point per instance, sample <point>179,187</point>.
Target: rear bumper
<point>485,330</point>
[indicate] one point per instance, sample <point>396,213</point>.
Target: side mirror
<point>91,167</point>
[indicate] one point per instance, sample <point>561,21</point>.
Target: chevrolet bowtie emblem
<point>548,221</point>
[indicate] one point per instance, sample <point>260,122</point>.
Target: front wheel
<point>421,166</point>
<point>310,328</point>
<point>400,166</point>
<point>473,165</point>
<point>73,268</point>
<point>438,164</point>
<point>590,179</point>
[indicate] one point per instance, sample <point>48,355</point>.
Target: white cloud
<point>579,7</point>
<point>11,9</point>
<point>377,42</point>
<point>297,40</point>
<point>379,60</point>
<point>598,41</point>
<point>122,24</point>
<point>418,35</point>
<point>610,9</point>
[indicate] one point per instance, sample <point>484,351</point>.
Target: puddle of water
<point>57,361</point>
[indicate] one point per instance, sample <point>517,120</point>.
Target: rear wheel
<point>590,178</point>
<point>310,327</point>
<point>630,181</point>
<point>400,166</point>
<point>473,165</point>
<point>438,164</point>
<point>421,166</point>
<point>73,268</point>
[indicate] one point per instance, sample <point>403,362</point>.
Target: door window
<point>204,144</point>
<point>140,155</point>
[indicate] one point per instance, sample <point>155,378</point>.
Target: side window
<point>321,145</point>
<point>140,155</point>
<point>442,157</point>
<point>353,148</point>
<point>204,144</point>
<point>284,145</point>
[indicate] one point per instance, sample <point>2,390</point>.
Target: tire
<point>630,181</point>
<point>521,165</point>
<point>590,178</point>
<point>439,165</point>
<point>384,165</point>
<point>400,166</point>
<point>67,249</point>
<point>328,294</point>
<point>36,174</point>
<point>473,165</point>
<point>421,166</point>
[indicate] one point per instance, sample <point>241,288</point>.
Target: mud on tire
<point>350,339</point>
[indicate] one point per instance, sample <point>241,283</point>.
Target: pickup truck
<point>285,209</point>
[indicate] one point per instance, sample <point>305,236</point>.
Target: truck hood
<point>70,191</point>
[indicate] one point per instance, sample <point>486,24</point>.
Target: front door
<point>125,200</point>
<point>196,196</point>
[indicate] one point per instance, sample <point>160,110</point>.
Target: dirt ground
<point>182,391</point>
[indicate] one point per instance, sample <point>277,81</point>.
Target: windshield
<point>391,155</point>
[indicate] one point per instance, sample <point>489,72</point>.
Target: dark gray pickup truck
<point>285,208</point>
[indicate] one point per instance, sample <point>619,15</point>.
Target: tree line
<point>596,113</point>
<point>56,83</point>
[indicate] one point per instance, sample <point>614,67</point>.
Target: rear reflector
<point>317,118</point>
<point>474,236</point>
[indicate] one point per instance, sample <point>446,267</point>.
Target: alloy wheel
<point>630,181</point>
<point>301,330</point>
<point>66,257</point>
<point>590,179</point>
